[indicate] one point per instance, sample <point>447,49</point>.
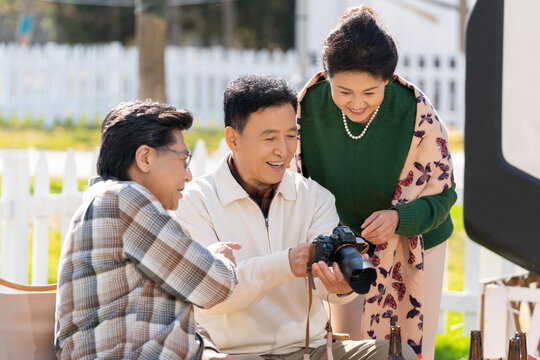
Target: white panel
<point>495,320</point>
<point>521,86</point>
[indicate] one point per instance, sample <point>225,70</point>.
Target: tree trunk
<point>228,17</point>
<point>463,11</point>
<point>175,20</point>
<point>151,36</point>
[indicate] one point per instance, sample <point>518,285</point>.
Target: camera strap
<point>310,292</point>
<point>328,328</point>
<point>329,336</point>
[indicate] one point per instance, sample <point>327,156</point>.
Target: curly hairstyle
<point>359,43</point>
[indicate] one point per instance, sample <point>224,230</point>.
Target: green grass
<point>79,137</point>
<point>453,345</point>
<point>54,250</point>
<point>456,139</point>
<point>55,185</point>
<point>16,135</point>
<point>456,251</point>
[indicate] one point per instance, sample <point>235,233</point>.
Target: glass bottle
<point>476,352</point>
<point>522,337</point>
<point>513,349</point>
<point>394,350</point>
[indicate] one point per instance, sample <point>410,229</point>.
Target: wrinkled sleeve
<point>322,294</point>
<point>426,213</point>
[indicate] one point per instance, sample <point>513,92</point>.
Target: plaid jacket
<point>129,277</point>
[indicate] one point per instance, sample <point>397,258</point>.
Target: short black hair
<point>360,43</point>
<point>132,124</point>
<point>251,93</point>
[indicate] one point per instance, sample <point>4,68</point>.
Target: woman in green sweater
<point>374,140</point>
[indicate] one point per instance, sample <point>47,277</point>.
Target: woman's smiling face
<point>357,93</point>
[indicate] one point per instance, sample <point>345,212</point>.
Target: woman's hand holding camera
<point>381,226</point>
<point>333,281</point>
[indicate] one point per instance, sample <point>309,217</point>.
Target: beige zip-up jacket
<point>267,311</point>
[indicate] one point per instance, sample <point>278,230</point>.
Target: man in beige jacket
<point>251,204</point>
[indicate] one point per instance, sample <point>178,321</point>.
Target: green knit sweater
<point>363,174</point>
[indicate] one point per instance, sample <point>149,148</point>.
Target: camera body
<point>345,249</point>
<point>327,246</point>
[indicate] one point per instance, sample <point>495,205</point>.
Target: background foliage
<point>259,23</point>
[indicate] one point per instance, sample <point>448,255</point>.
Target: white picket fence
<point>19,209</point>
<point>85,81</point>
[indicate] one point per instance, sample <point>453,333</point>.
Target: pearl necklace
<point>365,129</point>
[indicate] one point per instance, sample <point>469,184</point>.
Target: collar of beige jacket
<point>229,190</point>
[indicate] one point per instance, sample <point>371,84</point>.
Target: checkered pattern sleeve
<point>129,277</point>
<point>157,245</point>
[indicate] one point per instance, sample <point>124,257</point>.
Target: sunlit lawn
<point>80,137</point>
<point>62,137</point>
<point>453,345</point>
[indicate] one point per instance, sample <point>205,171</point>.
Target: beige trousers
<point>342,350</point>
<point>348,318</point>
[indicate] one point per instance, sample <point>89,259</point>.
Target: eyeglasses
<point>184,153</point>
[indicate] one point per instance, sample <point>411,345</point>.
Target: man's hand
<point>381,226</point>
<point>333,281</point>
<point>225,249</point>
<point>298,257</point>
<point>210,354</point>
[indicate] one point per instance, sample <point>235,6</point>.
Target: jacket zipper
<point>266,223</point>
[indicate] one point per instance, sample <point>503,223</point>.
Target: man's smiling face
<point>263,150</point>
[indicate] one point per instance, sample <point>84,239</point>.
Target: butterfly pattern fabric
<point>396,297</point>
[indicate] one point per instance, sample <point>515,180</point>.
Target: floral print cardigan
<point>396,297</point>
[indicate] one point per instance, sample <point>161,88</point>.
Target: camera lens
<point>358,272</point>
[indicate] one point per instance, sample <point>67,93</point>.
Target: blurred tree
<point>228,20</point>
<point>200,25</point>
<point>255,24</point>
<point>235,23</point>
<point>11,12</point>
<point>81,24</point>
<point>151,36</point>
<point>266,24</point>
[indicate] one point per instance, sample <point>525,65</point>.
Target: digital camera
<point>345,249</point>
